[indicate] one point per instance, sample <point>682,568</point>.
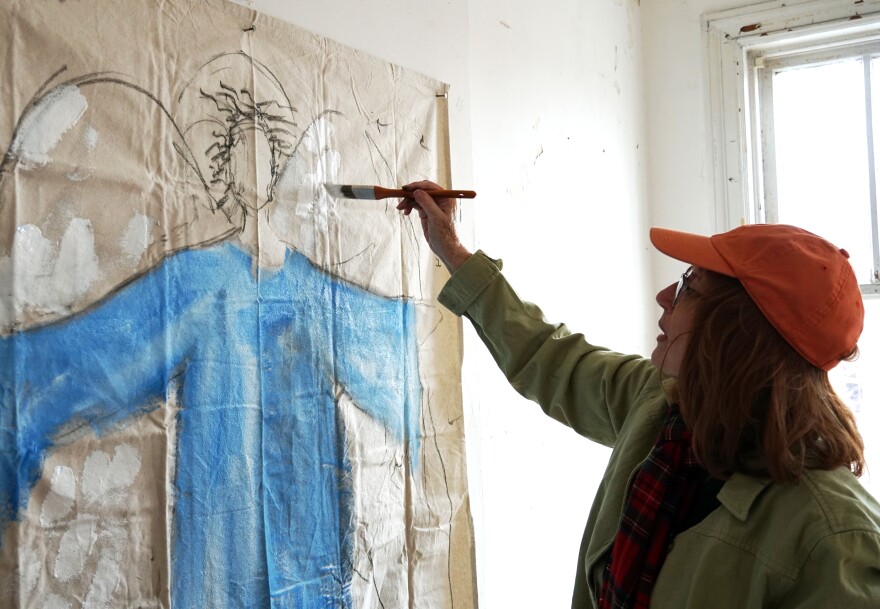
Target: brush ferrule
<point>359,192</point>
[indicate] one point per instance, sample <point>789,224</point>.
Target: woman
<point>732,482</point>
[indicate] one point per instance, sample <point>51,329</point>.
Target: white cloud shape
<point>43,126</point>
<point>39,278</point>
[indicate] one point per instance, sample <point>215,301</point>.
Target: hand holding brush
<point>351,191</point>
<point>437,214</point>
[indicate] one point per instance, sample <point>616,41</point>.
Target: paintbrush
<point>349,191</point>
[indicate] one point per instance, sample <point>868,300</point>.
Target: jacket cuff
<point>468,282</point>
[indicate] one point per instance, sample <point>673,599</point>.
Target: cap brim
<point>693,249</point>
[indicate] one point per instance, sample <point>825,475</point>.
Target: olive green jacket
<point>815,544</point>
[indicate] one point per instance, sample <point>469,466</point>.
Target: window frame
<point>767,30</point>
<point>763,66</point>
<point>730,37</point>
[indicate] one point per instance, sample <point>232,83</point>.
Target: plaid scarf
<point>661,493</point>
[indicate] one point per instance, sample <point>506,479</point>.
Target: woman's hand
<point>437,216</point>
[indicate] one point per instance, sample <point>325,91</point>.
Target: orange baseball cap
<point>804,285</point>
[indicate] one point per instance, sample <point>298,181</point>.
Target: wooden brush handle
<point>385,193</point>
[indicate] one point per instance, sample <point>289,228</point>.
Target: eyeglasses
<point>682,284</point>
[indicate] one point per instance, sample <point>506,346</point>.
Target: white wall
<point>558,153</point>
<point>681,172</point>
<point>547,109</point>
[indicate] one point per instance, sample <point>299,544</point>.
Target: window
<point>796,113</point>
<point>814,117</point>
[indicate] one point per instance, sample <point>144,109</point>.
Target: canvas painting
<point>220,386</point>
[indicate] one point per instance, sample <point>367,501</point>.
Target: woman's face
<point>677,302</point>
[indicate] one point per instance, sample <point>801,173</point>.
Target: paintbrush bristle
<point>336,191</point>
<point>349,191</point>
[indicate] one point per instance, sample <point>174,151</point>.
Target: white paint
<point>107,575</point>
<point>27,272</point>
<point>40,129</point>
<point>319,143</point>
<point>104,483</point>
<point>35,251</point>
<point>60,500</point>
<point>53,601</point>
<point>30,566</point>
<point>7,303</point>
<point>379,531</point>
<point>107,481</point>
<point>79,174</point>
<point>77,264</point>
<point>39,278</point>
<point>136,237</point>
<point>84,172</point>
<point>90,138</point>
<point>304,209</point>
<point>76,545</point>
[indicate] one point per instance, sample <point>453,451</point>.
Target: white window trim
<point>729,37</point>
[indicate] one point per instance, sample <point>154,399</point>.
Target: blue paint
<point>262,504</point>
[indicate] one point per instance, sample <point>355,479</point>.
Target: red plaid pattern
<point>661,493</point>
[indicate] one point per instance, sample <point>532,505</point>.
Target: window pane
<point>823,186</point>
<point>859,385</point>
<point>822,156</point>
<point>875,113</point>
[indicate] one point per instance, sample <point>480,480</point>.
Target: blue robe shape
<point>262,497</point>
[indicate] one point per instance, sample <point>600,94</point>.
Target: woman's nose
<point>666,296</point>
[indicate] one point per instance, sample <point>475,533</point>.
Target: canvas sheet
<point>220,387</point>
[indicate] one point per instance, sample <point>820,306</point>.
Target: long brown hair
<point>753,403</point>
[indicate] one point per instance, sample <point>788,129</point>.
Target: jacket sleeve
<point>588,388</point>
<point>843,570</point>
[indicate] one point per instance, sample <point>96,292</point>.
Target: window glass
<point>859,385</point>
<point>821,155</point>
<point>820,148</point>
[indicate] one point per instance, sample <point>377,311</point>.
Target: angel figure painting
<point>220,387</point>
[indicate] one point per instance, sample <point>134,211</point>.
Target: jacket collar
<point>740,492</point>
